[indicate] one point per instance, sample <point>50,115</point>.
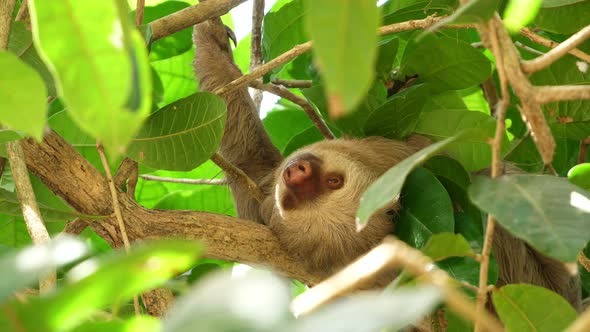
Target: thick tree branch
<point>6,8</point>
<point>74,179</point>
<point>559,51</point>
<point>190,16</point>
<point>551,44</point>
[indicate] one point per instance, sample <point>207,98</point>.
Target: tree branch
<point>213,182</point>
<point>300,84</point>
<point>6,9</point>
<point>80,184</point>
<point>190,16</point>
<point>256,45</point>
<point>548,94</point>
<point>559,51</point>
<point>302,102</point>
<point>551,44</point>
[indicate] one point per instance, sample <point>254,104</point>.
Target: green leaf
<point>476,11</point>
<point>580,176</point>
<point>178,78</point>
<point>23,96</point>
<point>100,66</point>
<point>28,264</point>
<point>10,205</point>
<point>563,16</point>
<point>426,209</point>
<point>372,311</point>
<point>467,269</point>
<point>304,138</point>
<point>21,43</point>
<point>256,301</point>
<point>133,324</point>
<point>283,125</point>
<point>112,279</point>
<point>386,55</point>
<point>549,213</point>
<point>173,44</point>
<point>475,153</point>
<point>523,307</point>
<point>457,65</point>
<point>181,135</point>
<point>283,29</point>
<point>520,13</point>
<point>449,169</point>
<point>389,185</point>
<point>338,25</point>
<point>398,115</point>
<point>216,199</point>
<point>444,245</point>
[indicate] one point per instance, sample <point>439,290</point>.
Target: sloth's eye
<point>334,181</point>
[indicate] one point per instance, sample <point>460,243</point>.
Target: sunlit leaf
<point>519,13</point>
<point>444,245</point>
<point>580,176</point>
<point>133,324</point>
<point>23,96</point>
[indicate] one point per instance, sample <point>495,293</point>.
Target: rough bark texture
<point>74,179</point>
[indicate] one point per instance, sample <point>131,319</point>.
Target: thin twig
<point>139,9</point>
<point>31,213</point>
<point>496,169</point>
<point>238,175</point>
<point>391,254</point>
<point>256,45</point>
<point>299,84</point>
<point>215,182</point>
<point>584,261</point>
<point>190,16</point>
<point>117,209</point>
<point>528,48</point>
<point>302,102</point>
<point>528,33</point>
<point>304,47</point>
<point>550,57</point>
<point>583,150</point>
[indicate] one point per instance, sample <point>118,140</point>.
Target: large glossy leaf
<point>23,96</point>
<point>456,65</point>
<point>373,311</point>
<point>255,302</point>
<point>337,25</point>
<point>100,65</point>
<point>98,283</point>
<point>389,185</point>
<point>26,265</point>
<point>177,76</point>
<point>563,16</point>
<point>181,135</point>
<point>475,153</point>
<point>525,308</point>
<point>426,209</point>
<point>21,44</point>
<point>550,213</point>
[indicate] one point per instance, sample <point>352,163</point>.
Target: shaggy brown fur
<point>321,232</point>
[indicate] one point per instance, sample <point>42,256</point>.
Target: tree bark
<point>82,186</point>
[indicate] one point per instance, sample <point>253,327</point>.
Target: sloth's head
<point>317,191</point>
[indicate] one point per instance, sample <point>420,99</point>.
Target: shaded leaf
<point>563,16</point>
<point>519,308</point>
<point>549,213</point>
<point>426,209</point>
<point>181,135</point>
<point>283,125</point>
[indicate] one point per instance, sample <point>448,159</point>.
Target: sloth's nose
<point>297,173</point>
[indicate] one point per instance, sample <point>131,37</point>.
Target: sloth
<point>311,197</point>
